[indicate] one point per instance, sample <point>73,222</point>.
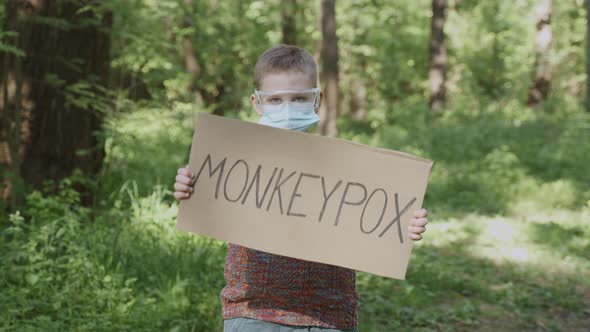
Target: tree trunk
<point>193,66</point>
<point>132,83</point>
<point>288,25</point>
<point>329,71</point>
<point>358,84</point>
<point>10,115</point>
<point>191,62</point>
<point>47,135</point>
<point>358,94</point>
<point>588,56</point>
<point>539,89</point>
<point>438,57</point>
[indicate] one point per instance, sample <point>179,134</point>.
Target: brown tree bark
<point>539,89</point>
<point>48,137</point>
<point>193,66</point>
<point>10,115</point>
<point>288,25</point>
<point>358,94</point>
<point>357,84</point>
<point>438,57</point>
<point>130,82</point>
<point>358,97</point>
<point>191,63</point>
<point>588,56</point>
<point>329,69</point>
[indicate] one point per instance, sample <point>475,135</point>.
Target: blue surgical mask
<point>293,116</point>
<point>288,109</point>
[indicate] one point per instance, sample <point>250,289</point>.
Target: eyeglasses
<point>278,97</point>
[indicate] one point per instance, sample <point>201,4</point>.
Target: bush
<point>122,271</point>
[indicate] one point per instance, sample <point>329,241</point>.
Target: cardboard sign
<point>305,196</point>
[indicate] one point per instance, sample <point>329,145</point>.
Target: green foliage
<point>62,271</point>
<point>140,44</point>
<point>135,142</point>
<point>124,266</point>
<point>227,38</point>
<point>493,160</point>
<point>477,273</point>
<point>89,95</point>
<point>6,46</point>
<point>507,245</point>
<point>509,160</point>
<point>491,48</point>
<point>569,59</point>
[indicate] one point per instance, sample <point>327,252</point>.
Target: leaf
<point>32,279</point>
<point>11,49</point>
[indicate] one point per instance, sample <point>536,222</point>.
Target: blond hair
<point>285,58</point>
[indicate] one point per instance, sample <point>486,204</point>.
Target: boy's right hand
<point>183,187</point>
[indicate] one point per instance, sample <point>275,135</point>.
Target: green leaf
<point>32,279</point>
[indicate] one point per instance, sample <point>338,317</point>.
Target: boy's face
<point>285,81</point>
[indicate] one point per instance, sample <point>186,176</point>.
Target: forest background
<point>97,101</point>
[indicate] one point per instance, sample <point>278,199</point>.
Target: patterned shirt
<point>287,290</point>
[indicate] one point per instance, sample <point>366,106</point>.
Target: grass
<point>487,273</point>
<point>507,248</point>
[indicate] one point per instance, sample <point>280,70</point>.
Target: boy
<point>266,292</point>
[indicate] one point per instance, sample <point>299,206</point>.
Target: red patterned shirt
<point>286,290</point>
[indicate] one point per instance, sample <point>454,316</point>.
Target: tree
<point>438,57</point>
<point>191,62</point>
<point>208,50</point>
<point>539,89</point>
<point>329,69</point>
<point>588,56</point>
<point>52,91</point>
<point>358,98</point>
<point>288,25</point>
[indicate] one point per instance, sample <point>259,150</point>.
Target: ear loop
<point>258,102</point>
<point>316,100</point>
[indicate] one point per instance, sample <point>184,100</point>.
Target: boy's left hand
<point>418,224</point>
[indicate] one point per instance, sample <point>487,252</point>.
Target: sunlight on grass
<point>507,246</point>
<point>147,146</point>
<point>541,240</point>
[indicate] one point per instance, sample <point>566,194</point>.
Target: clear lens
<point>282,96</point>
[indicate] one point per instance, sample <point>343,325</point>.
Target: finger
<point>182,187</point>
<point>417,230</point>
<point>184,180</point>
<point>185,172</point>
<point>179,195</point>
<point>422,213</point>
<point>415,237</point>
<point>419,222</point>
